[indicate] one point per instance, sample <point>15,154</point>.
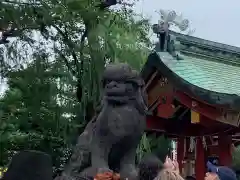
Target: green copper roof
<point>209,75</point>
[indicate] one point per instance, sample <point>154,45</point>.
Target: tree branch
<point>70,44</point>
<point>84,36</point>
<point>79,69</point>
<point>74,73</point>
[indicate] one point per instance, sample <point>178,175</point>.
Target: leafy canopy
<point>54,47</point>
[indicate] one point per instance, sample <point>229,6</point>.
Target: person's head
<point>190,178</point>
<point>29,165</point>
<point>219,173</point>
<point>149,167</point>
<point>168,174</point>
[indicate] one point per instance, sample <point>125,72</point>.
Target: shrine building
<point>193,88</point>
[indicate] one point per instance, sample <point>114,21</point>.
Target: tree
<point>78,33</point>
<point>159,146</point>
<point>33,116</point>
<point>53,46</point>
<point>60,47</point>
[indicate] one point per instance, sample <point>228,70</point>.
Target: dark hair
<point>190,178</point>
<point>149,167</point>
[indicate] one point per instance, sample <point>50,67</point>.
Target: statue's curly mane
<point>121,85</point>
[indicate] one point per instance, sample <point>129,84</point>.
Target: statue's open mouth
<point>116,91</point>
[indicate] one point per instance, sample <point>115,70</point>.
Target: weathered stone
<point>110,140</point>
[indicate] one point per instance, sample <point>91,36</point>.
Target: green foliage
<point>236,157</point>
<point>143,148</point>
<point>236,161</point>
<point>160,146</point>
<point>33,116</point>
<point>44,60</point>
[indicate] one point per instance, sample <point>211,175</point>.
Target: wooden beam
<point>214,113</point>
<point>155,104</point>
<point>158,91</point>
<point>184,113</point>
<point>180,128</point>
<point>207,122</point>
<point>153,76</point>
<point>198,106</point>
<point>155,124</point>
<point>236,135</point>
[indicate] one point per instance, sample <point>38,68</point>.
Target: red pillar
<point>225,152</point>
<point>200,160</point>
<point>180,153</point>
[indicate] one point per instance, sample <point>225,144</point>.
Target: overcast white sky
<point>216,20</point>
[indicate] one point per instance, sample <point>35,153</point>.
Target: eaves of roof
<point>213,82</point>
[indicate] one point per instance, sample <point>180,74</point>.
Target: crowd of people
<point>170,171</point>
<point>152,169</point>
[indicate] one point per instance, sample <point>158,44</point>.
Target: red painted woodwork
<point>151,81</point>
<point>162,95</point>
<point>180,152</point>
<point>200,160</point>
<point>166,109</point>
<point>159,90</point>
<point>225,149</point>
<point>154,123</point>
<point>216,113</point>
<point>212,121</point>
<point>209,111</point>
<point>213,150</point>
<point>177,128</point>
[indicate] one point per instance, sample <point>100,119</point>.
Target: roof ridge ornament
<point>169,18</point>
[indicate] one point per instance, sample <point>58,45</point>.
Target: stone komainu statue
<point>110,139</point>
